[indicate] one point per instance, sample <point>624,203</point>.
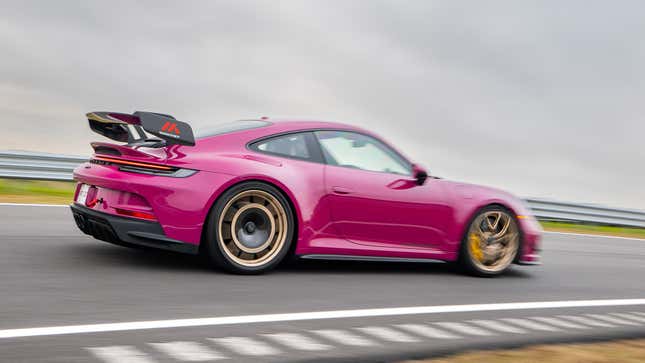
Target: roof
<point>284,125</point>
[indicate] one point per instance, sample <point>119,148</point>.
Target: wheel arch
<point>286,193</point>
<point>475,212</point>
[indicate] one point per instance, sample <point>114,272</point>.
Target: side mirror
<point>419,173</point>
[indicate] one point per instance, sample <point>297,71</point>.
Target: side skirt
<point>367,258</point>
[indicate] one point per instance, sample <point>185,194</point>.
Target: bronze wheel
<point>492,242</point>
<point>252,229</point>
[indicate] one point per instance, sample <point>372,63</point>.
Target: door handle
<point>341,190</point>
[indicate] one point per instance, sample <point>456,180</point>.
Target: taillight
<point>136,214</point>
<point>143,167</point>
<point>134,163</point>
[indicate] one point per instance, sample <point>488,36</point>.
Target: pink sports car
<point>249,193</point>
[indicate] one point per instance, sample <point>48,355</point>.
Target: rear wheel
<point>250,229</point>
<point>491,243</point>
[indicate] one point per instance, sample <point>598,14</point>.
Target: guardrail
<point>34,165</point>
<point>550,210</point>
<point>43,166</point>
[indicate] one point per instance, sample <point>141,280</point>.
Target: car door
<point>373,196</point>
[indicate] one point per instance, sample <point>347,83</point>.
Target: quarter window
<point>292,145</point>
<point>354,150</point>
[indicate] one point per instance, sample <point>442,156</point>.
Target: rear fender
<point>287,193</point>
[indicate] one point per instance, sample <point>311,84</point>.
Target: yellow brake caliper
<point>475,247</point>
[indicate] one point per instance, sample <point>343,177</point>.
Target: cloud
<point>542,98</point>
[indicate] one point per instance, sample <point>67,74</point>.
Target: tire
<point>491,242</point>
<point>250,229</point>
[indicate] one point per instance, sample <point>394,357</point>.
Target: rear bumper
<point>124,231</point>
<point>180,205</point>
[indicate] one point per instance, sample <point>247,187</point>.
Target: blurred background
<point>543,98</point>
<point>540,98</point>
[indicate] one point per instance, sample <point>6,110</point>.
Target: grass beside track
<point>54,192</point>
<point>622,351</point>
<point>594,229</point>
<point>36,191</point>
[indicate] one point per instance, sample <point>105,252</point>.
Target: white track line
<point>586,321</point>
<point>297,341</point>
<point>530,324</point>
<point>120,354</point>
<point>344,337</point>
<point>32,205</point>
<point>465,328</point>
<point>314,315</point>
<point>427,331</point>
<point>630,317</point>
<point>188,351</point>
<point>388,334</point>
<point>611,319</point>
<point>246,346</point>
<point>559,323</point>
<point>498,326</point>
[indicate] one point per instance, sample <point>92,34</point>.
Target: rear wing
<point>132,128</point>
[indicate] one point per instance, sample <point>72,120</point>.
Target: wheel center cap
<point>249,227</point>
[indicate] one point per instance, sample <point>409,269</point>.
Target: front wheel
<point>250,229</point>
<point>491,242</point>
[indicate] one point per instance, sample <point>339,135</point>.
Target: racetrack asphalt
<point>53,275</point>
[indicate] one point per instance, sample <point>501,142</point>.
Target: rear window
<point>229,127</point>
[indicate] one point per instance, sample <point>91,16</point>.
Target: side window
<point>353,150</point>
<point>291,145</point>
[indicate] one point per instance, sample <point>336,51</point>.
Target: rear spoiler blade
<point>130,128</point>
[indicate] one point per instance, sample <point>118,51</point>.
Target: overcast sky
<point>542,98</point>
